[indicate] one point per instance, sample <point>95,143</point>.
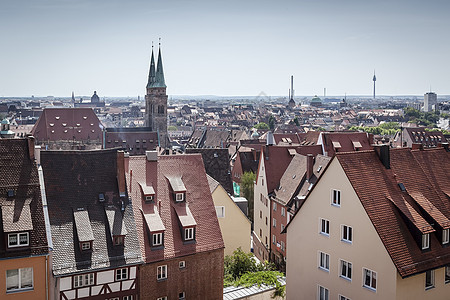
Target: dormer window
<point>10,193</point>
<point>19,239</point>
<point>149,198</point>
<point>445,236</point>
<point>85,246</point>
<point>157,239</point>
<point>179,197</point>
<point>425,241</point>
<point>119,240</point>
<point>148,192</point>
<point>189,233</point>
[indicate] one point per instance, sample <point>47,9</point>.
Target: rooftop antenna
<point>374,79</point>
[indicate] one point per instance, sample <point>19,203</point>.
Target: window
<point>274,206</point>
<point>343,298</point>
<point>19,279</point>
<point>127,298</point>
<point>282,246</point>
<point>85,246</point>
<point>162,298</point>
<point>323,293</point>
<point>447,273</point>
<point>179,196</point>
<point>118,240</point>
<point>324,261</point>
<point>83,280</point>
<point>445,236</point>
<point>260,233</point>
<point>260,214</point>
<point>149,198</point>
<point>324,226</point>
<point>274,221</point>
<point>283,211</point>
<point>266,220</point>
<point>18,239</point>
<point>274,239</point>
<point>121,274</point>
<point>370,279</point>
<point>346,270</point>
<point>189,233</point>
<point>425,241</point>
<point>282,227</point>
<point>162,272</point>
<point>181,295</point>
<point>157,239</point>
<point>336,197</point>
<point>220,211</point>
<point>182,264</point>
<point>347,234</point>
<point>429,279</point>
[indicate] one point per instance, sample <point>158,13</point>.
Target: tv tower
<point>374,80</point>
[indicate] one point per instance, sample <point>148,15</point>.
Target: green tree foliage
<point>242,269</point>
<point>262,125</point>
<point>296,121</point>
<point>172,128</point>
<point>428,119</point>
<point>271,123</point>
<point>390,128</point>
<point>247,190</point>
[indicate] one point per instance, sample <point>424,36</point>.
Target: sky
<point>226,47</point>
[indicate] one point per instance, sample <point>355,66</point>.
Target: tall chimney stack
<point>309,166</point>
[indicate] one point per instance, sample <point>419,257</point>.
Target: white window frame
<point>181,295</point>
<point>432,279</point>
<point>149,198</point>
<point>323,293</point>
<point>121,274</point>
<point>346,269</point>
<point>83,280</point>
<point>85,246</point>
<point>343,298</point>
<point>346,233</point>
<point>220,211</point>
<point>274,206</point>
<point>445,236</point>
<point>274,239</point>
<point>189,233</point>
<point>119,240</point>
<point>17,235</point>
<point>274,222</point>
<point>283,211</point>
<point>324,227</point>
<point>182,264</point>
<point>130,297</point>
<point>161,272</point>
<point>447,274</point>
<point>282,246</point>
<point>425,241</point>
<point>324,261</point>
<point>336,197</point>
<point>372,276</point>
<point>162,298</point>
<point>157,239</point>
<point>19,278</point>
<point>179,197</point>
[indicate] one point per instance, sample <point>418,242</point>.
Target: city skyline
<point>224,48</point>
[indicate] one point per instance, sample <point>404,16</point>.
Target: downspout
<point>46,277</point>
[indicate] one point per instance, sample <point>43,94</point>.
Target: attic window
<point>189,233</point>
<point>51,124</point>
<point>10,193</point>
<point>216,155</point>
<point>445,236</point>
<point>65,131</point>
<point>79,130</point>
<point>78,124</point>
<point>101,198</point>
<point>425,241</point>
<point>64,124</point>
<point>402,187</point>
<point>319,168</point>
<point>53,131</point>
<point>293,176</point>
<point>84,118</point>
<point>20,239</point>
<point>57,118</point>
<point>179,197</point>
<point>124,141</point>
<point>149,198</point>
<point>92,124</point>
<point>85,246</point>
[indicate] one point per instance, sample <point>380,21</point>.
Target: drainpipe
<point>46,277</point>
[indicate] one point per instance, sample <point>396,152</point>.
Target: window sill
<point>347,241</point>
<point>324,234</point>
<point>429,288</point>
<point>325,270</point>
<point>20,290</point>
<point>345,278</point>
<point>335,205</point>
<point>370,288</point>
<point>161,279</point>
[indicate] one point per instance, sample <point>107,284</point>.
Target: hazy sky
<point>227,47</point>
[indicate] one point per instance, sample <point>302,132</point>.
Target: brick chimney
<point>384,155</point>
<point>309,166</point>
<point>30,140</point>
<point>121,173</point>
<point>417,146</point>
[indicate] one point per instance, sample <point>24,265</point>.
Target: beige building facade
<point>235,226</point>
<point>335,252</point>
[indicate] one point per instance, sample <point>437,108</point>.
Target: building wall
<point>235,227</point>
<point>38,265</point>
<point>366,251</point>
<point>202,278</point>
<point>412,288</point>
<point>261,209</point>
<point>278,248</point>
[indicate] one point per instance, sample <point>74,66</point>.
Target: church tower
<point>156,100</point>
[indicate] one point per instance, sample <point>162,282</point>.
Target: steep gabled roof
<point>390,209</point>
<point>73,181</point>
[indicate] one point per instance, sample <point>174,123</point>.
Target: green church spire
<point>152,73</point>
<point>159,82</point>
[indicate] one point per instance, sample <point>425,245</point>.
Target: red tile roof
<point>344,142</point>
<point>198,199</point>
<point>389,208</point>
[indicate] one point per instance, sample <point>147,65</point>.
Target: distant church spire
<point>152,73</point>
<point>160,82</point>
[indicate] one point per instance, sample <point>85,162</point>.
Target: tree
<point>262,125</point>
<point>296,121</point>
<point>172,128</point>
<point>271,123</point>
<point>247,190</point>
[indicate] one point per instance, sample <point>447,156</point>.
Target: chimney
<point>270,139</point>
<point>254,154</point>
<point>417,146</point>
<point>30,140</point>
<point>309,166</point>
<point>384,155</point>
<point>445,145</point>
<point>126,157</point>
<point>151,155</point>
<point>37,154</point>
<point>131,179</point>
<point>121,173</point>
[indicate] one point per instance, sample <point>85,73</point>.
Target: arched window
<point>160,109</point>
